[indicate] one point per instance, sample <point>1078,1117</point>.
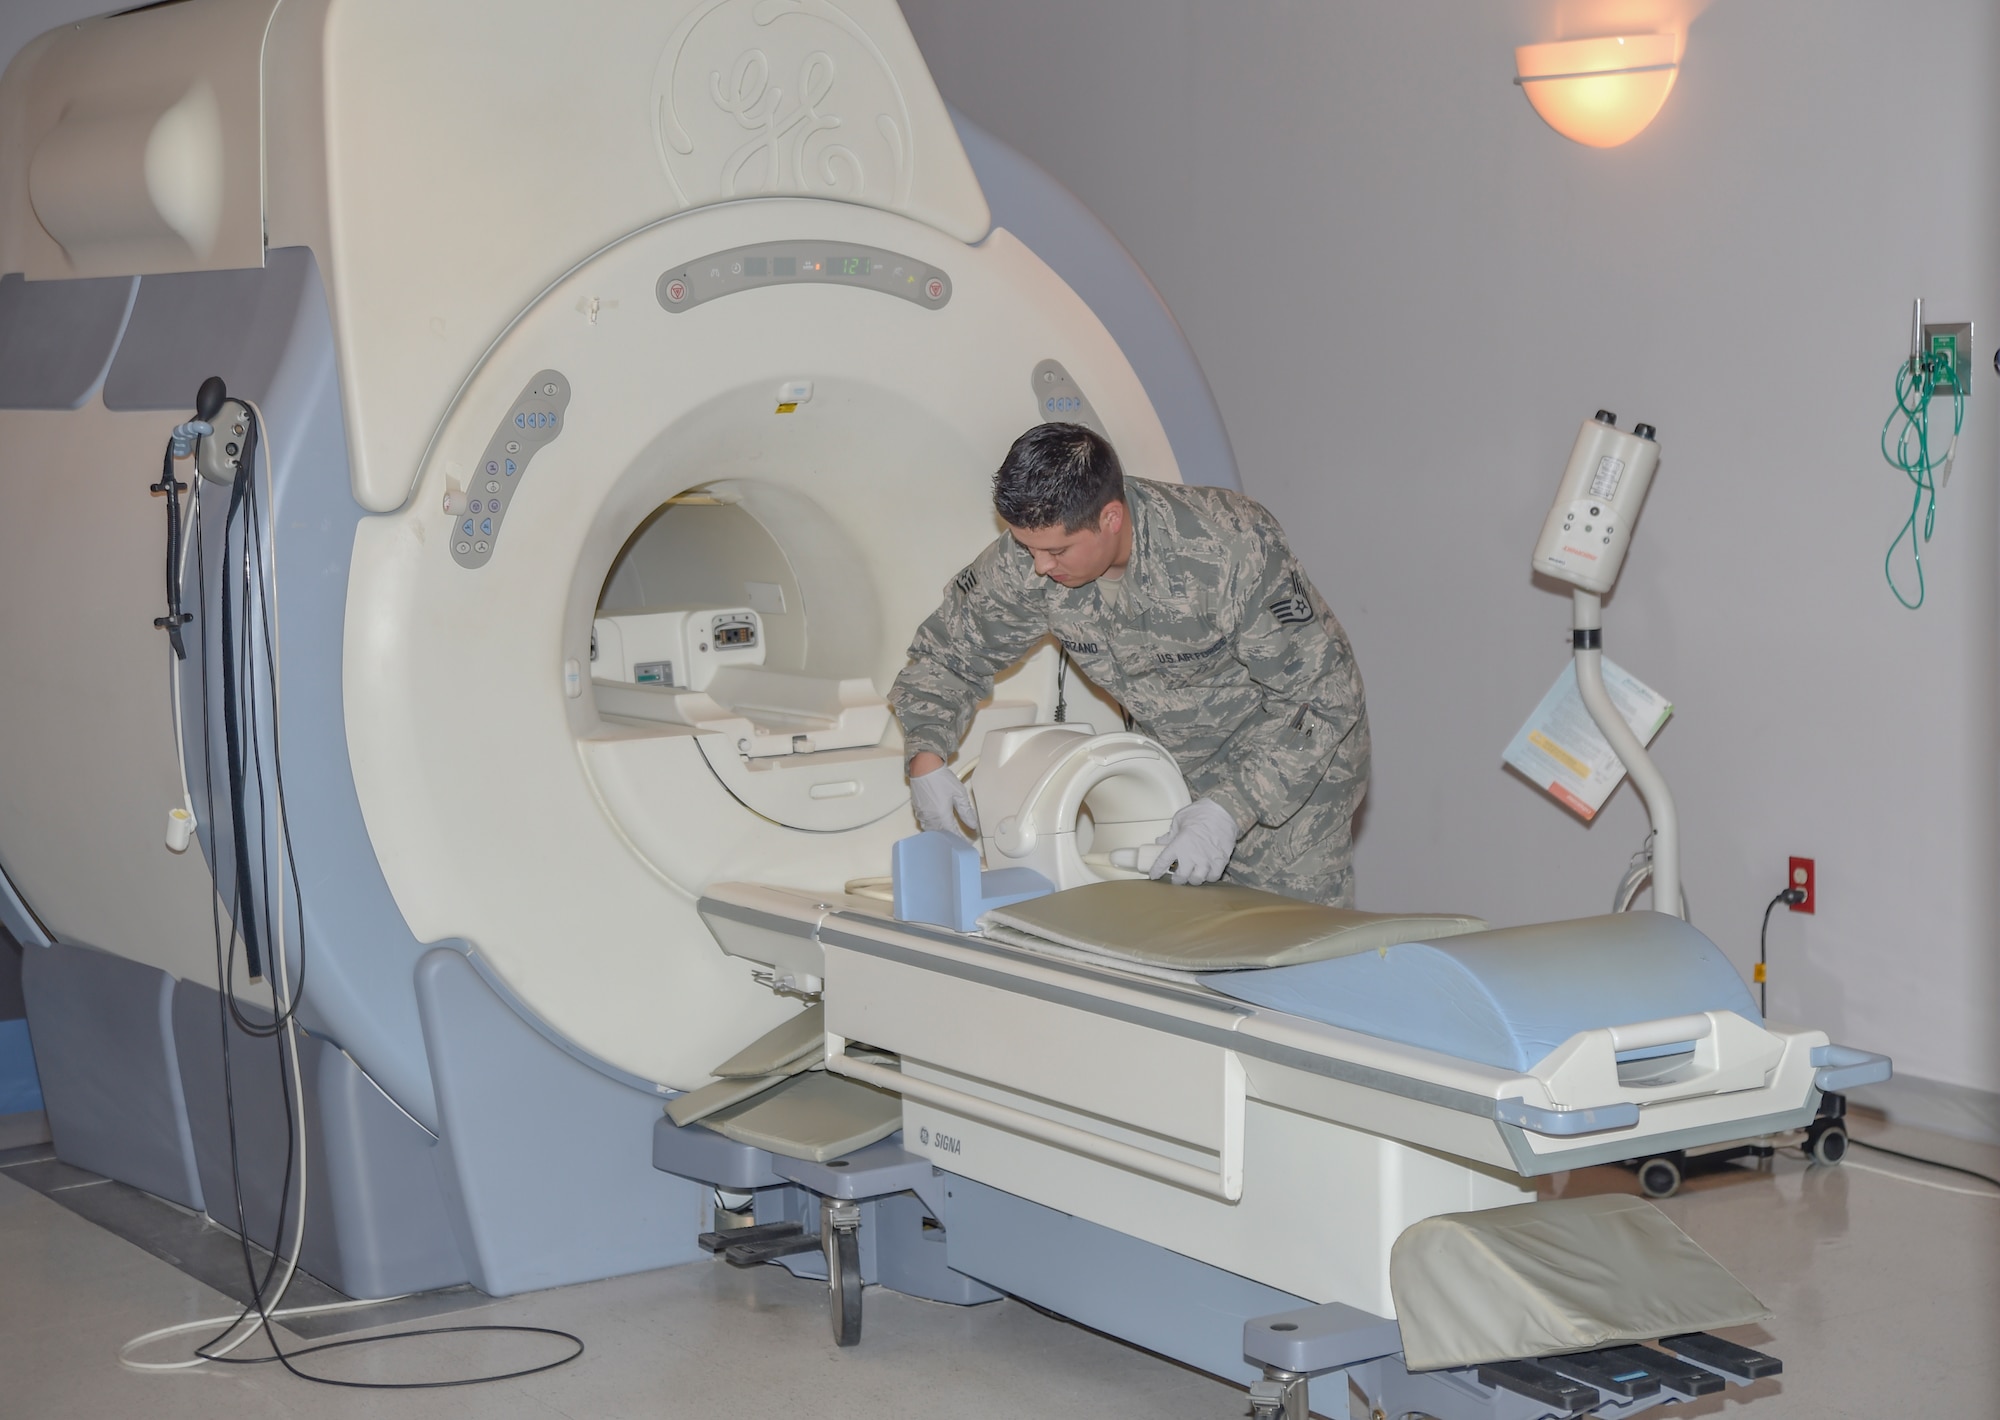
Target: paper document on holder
<point>1562,750</point>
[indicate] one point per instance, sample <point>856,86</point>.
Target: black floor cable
<point>244,767</point>
<point>1928,1163</point>
<point>287,1357</point>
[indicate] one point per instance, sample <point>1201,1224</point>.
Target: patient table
<point>1250,1149</point>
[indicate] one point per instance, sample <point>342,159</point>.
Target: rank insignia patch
<point>1295,607</point>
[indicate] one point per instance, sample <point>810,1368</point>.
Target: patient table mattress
<point>1219,927</point>
<point>1507,998</point>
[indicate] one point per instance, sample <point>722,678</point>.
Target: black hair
<point>1057,473</point>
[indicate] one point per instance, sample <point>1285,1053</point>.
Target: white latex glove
<point>940,800</point>
<point>1198,846</point>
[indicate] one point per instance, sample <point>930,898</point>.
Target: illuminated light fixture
<point>1601,92</point>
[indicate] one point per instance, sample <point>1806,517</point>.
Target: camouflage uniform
<point>1216,644</point>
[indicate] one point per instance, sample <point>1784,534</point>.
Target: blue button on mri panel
<point>509,456</point>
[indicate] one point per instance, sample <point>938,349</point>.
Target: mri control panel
<point>531,425</point>
<point>1060,400</point>
<point>724,273</point>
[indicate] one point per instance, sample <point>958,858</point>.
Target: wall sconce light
<point>1601,92</point>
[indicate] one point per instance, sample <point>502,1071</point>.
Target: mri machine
<point>626,391</point>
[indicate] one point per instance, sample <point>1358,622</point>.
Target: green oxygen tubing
<point>1918,381</point>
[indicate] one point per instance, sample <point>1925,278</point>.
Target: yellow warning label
<point>1560,755</point>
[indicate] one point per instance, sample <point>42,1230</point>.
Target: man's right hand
<point>938,798</point>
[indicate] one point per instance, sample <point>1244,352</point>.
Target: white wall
<point>1407,291</point>
<point>22,20</point>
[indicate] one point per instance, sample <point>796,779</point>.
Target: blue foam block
<point>20,1086</point>
<point>936,879</point>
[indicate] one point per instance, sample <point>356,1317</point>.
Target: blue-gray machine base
<point>1108,1280</point>
<point>990,1243</point>
<point>111,1080</point>
<point>376,1221</point>
<point>548,1176</point>
<point>898,1192</point>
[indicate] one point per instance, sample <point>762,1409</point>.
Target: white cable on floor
<point>208,1323</point>
<point>1922,1182</point>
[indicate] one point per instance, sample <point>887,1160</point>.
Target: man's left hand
<point>1197,848</point>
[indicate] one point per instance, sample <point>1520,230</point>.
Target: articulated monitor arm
<point>1584,540</point>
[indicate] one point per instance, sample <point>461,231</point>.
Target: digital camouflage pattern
<point>1218,646</point>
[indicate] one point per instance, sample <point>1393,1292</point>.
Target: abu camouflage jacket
<point>1214,641</point>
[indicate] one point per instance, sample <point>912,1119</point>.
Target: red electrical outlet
<point>1800,876</point>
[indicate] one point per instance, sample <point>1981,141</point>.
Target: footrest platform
<point>765,1242</point>
<point>1725,1356</point>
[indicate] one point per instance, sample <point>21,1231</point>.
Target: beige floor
<point>1887,1294</point>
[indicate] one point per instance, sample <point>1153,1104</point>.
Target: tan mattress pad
<point>1216,927</point>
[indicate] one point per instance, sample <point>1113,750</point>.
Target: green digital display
<point>849,265</point>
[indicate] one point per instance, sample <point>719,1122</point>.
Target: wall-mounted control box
<point>680,649</point>
<point>1588,529</point>
<point>218,456</point>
